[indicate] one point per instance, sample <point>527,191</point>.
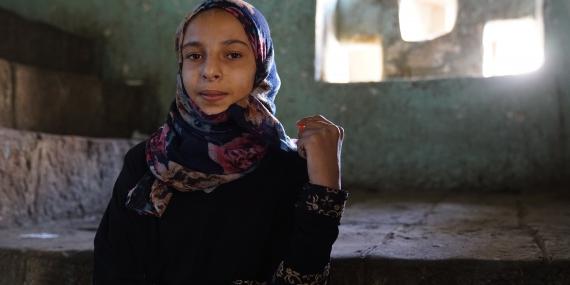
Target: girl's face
<point>218,62</point>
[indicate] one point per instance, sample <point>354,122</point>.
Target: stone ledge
<point>384,239</point>
<point>48,177</point>
<point>53,253</point>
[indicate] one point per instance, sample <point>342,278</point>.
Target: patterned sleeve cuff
<point>288,275</point>
<point>322,200</point>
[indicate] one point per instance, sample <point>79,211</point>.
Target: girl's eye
<point>234,55</point>
<point>193,56</point>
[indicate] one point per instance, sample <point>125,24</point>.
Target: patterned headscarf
<point>197,151</point>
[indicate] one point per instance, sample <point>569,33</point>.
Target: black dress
<point>269,227</point>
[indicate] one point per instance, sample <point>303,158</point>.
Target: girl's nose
<point>211,70</point>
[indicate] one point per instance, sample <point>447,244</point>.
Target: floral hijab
<point>196,151</point>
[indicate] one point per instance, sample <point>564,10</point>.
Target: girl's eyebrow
<point>232,41</point>
<point>226,43</point>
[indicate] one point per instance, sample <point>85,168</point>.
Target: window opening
<point>424,20</point>
<point>512,46</point>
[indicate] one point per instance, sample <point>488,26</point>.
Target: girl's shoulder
<point>135,160</point>
<point>137,150</point>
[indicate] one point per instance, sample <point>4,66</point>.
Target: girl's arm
<point>317,214</point>
<point>319,206</point>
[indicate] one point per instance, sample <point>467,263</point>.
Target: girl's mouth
<point>212,95</point>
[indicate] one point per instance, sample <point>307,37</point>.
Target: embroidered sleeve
<point>322,200</point>
<point>288,275</point>
<point>248,282</point>
<point>317,214</point>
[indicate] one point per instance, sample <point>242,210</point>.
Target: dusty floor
<point>445,238</point>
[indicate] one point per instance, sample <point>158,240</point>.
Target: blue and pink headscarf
<point>195,151</point>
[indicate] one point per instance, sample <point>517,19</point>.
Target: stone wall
<point>486,134</point>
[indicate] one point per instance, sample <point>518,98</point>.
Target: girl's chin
<point>210,111</point>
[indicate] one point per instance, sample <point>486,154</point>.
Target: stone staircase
<point>53,191</point>
<point>49,82</point>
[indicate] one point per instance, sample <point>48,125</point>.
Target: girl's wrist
<point>326,180</point>
<point>324,172</point>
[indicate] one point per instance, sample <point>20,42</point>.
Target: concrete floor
<point>443,238</point>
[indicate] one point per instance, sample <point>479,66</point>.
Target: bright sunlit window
<point>353,62</point>
<point>359,60</point>
<point>512,47</point>
<point>365,61</point>
<point>424,20</point>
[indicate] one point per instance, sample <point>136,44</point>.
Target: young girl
<point>220,194</point>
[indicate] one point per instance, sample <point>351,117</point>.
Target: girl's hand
<point>320,143</point>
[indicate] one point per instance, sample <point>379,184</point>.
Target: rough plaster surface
<point>437,238</point>
<point>46,177</point>
<point>483,133</point>
<point>560,60</point>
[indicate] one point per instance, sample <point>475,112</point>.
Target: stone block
<point>49,177</point>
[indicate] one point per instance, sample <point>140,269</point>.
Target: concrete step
<point>53,253</point>
<point>34,43</point>
<point>453,238</point>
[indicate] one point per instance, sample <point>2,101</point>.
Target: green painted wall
<point>557,43</point>
<point>466,133</point>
